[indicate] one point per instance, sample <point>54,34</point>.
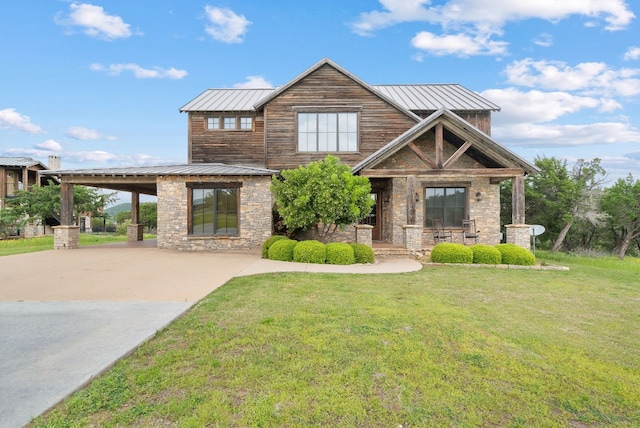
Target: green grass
<point>446,346</point>
<point>43,243</point>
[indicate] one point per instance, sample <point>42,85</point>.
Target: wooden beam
<point>135,208</point>
<point>66,204</point>
<point>517,195</point>
<point>492,173</point>
<point>457,154</point>
<point>411,201</point>
<point>439,145</point>
<point>422,155</point>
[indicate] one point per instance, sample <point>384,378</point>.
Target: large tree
<point>557,197</point>
<point>43,202</point>
<point>323,195</point>
<point>622,203</point>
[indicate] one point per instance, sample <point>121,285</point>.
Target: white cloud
<point>140,72</point>
<point>95,22</point>
<point>458,44</point>
<point>50,146</point>
<point>11,119</point>
<point>254,82</point>
<point>615,13</point>
<point>544,39</point>
<point>566,135</point>
<point>537,106</point>
<point>81,133</point>
<point>632,53</point>
<point>589,78</point>
<point>226,26</point>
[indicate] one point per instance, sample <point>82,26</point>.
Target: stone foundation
<point>134,232</point>
<point>363,234</point>
<point>412,237</point>
<point>519,234</point>
<point>66,237</point>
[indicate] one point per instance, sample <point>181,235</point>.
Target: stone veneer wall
<point>255,214</point>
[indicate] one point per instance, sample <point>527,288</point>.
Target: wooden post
<point>135,208</point>
<point>517,195</point>
<point>66,204</point>
<point>411,201</point>
<point>439,145</point>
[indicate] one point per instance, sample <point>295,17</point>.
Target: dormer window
<point>327,131</point>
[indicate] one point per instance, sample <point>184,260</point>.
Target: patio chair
<point>469,231</point>
<point>439,234</point>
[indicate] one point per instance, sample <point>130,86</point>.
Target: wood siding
<point>479,119</point>
<point>233,147</point>
<point>379,122</point>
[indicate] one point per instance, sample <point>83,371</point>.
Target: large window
<point>214,210</point>
<point>328,132</point>
<point>446,203</point>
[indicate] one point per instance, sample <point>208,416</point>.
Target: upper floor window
<point>448,204</point>
<point>328,132</point>
<point>230,122</point>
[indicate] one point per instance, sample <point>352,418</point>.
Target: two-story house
<point>426,149</point>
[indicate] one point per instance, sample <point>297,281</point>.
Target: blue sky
<point>100,83</point>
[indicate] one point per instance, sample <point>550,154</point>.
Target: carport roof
<point>142,179</point>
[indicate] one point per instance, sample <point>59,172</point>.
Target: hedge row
<point>281,248</point>
<point>509,254</point>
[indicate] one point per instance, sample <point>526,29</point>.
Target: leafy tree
<point>122,217</point>
<point>323,195</point>
<point>149,215</point>
<point>622,203</point>
<point>10,221</point>
<point>557,196</point>
<point>42,202</point>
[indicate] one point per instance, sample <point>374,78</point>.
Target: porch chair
<point>439,234</point>
<point>469,231</point>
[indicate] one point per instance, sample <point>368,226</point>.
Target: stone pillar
<point>66,237</point>
<point>412,237</point>
<point>134,232</point>
<point>519,235</point>
<point>364,234</point>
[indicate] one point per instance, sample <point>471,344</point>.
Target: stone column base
<point>412,237</point>
<point>364,234</point>
<point>134,232</point>
<point>66,237</point>
<point>519,234</point>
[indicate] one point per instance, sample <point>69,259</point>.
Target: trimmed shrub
<point>486,254</point>
<point>268,243</point>
<point>363,253</point>
<point>310,252</point>
<point>449,252</point>
<point>339,253</point>
<point>515,255</point>
<point>282,250</point>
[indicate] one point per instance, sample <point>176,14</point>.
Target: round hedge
<point>282,250</point>
<point>486,254</point>
<point>515,255</point>
<point>268,243</point>
<point>310,252</point>
<point>449,252</point>
<point>363,253</point>
<point>339,253</point>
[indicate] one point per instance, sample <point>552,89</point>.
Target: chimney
<point>54,162</point>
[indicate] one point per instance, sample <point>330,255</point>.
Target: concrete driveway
<point>66,316</point>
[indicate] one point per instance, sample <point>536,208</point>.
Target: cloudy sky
<point>100,83</point>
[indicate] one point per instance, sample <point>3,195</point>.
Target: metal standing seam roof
<point>187,169</point>
<point>425,97</point>
<point>19,162</point>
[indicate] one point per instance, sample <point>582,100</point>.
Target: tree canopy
<point>323,194</point>
<point>622,203</point>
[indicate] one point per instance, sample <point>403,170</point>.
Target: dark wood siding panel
<point>233,147</point>
<point>379,122</point>
<point>479,119</point>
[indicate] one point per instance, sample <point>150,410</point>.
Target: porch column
<point>412,198</point>
<point>67,235</point>
<point>135,229</point>
<point>364,234</point>
<point>412,237</point>
<point>518,231</point>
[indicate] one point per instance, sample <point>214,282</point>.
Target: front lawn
<point>446,346</point>
<point>43,243</point>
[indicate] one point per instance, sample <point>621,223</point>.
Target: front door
<point>375,217</point>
